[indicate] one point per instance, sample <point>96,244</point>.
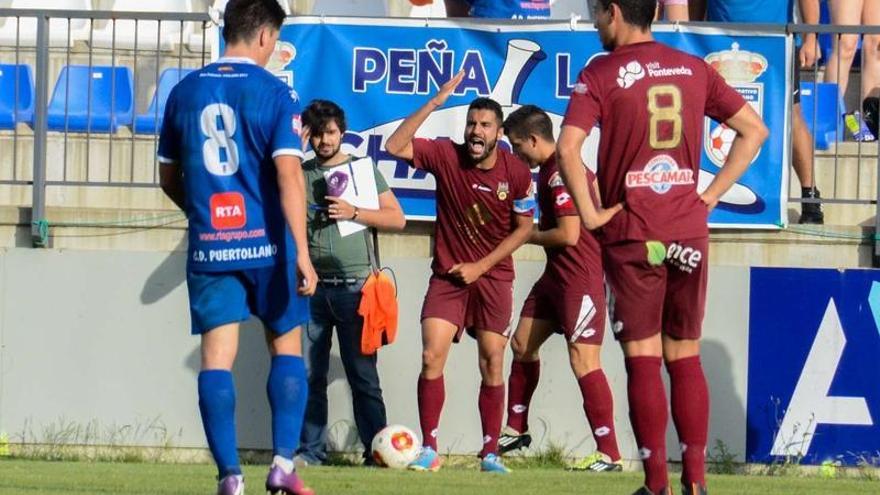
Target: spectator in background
<point>499,9</point>
<point>854,13</point>
<point>342,264</point>
<point>697,10</point>
<point>781,12</point>
<point>672,10</point>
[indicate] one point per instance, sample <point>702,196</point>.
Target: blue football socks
<point>288,390</point>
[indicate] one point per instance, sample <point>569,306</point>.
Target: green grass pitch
<point>20,477</point>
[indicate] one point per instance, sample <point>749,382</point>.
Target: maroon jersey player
<point>484,212</point>
<point>569,298</point>
<point>650,102</point>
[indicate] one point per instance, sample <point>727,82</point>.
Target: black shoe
<point>871,113</point>
<point>511,439</point>
<point>693,489</point>
<point>811,212</point>
<point>645,491</point>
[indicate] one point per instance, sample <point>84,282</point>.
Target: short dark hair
<point>483,103</point>
<point>527,120</point>
<point>242,19</point>
<point>636,12</point>
<point>320,112</point>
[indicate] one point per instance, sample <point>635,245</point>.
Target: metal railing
<point>843,189</point>
<point>123,156</point>
<point>114,155</point>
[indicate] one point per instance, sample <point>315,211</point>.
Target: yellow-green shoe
<point>597,462</point>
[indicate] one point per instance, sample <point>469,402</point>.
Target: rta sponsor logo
<point>660,174</point>
<point>684,257</point>
<point>228,211</point>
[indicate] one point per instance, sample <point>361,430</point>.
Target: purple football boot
<point>281,483</point>
<point>231,485</point>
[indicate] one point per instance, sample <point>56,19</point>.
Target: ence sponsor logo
<point>660,174</point>
<point>686,258</point>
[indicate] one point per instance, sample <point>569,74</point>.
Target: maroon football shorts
<point>578,314</point>
<point>657,287</point>
<point>483,305</point>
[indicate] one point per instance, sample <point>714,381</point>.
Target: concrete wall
<point>102,337</point>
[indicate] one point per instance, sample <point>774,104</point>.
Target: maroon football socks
<point>690,413</point>
<point>647,413</point>
<point>431,395</point>
<point>522,383</point>
<point>599,408</point>
<point>491,405</point>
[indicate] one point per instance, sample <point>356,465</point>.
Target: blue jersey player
<point>230,154</point>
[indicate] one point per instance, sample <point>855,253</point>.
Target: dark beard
<point>487,150</point>
<point>322,158</point>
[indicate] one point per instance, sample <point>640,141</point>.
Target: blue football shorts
<point>269,293</point>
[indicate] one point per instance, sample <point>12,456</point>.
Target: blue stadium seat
<point>150,121</point>
<point>110,90</point>
<point>824,101</point>
<point>22,110</point>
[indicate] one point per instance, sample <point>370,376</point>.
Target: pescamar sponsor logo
<point>660,174</point>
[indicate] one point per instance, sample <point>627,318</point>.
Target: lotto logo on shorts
<point>228,211</point>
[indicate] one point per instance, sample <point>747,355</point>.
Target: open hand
<point>447,88</point>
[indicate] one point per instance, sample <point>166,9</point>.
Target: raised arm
<point>399,143</point>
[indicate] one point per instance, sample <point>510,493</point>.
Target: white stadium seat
<point>367,8</point>
<point>148,35</point>
<point>58,28</point>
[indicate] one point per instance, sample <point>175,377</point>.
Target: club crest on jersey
<point>741,69</point>
<point>660,174</point>
<point>556,180</point>
<point>503,191</point>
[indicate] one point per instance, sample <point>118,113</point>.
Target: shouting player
<point>650,101</point>
<point>230,151</point>
<point>568,298</point>
<point>484,212</point>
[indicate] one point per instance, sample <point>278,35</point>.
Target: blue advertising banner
<point>814,338</point>
<point>381,70</point>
